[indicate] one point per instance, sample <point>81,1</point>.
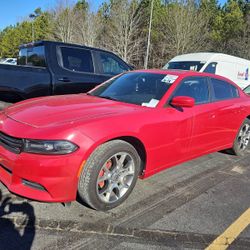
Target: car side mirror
<point>183,101</point>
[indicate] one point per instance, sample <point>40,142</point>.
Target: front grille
<point>12,144</point>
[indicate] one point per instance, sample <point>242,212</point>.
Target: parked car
<point>234,68</point>
<point>136,124</point>
<point>12,61</point>
<point>51,68</point>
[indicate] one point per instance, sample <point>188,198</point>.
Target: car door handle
<point>64,79</point>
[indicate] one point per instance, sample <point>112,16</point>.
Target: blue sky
<point>12,11</point>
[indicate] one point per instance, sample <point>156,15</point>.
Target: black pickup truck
<point>53,68</point>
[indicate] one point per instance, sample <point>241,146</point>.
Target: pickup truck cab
<point>53,68</point>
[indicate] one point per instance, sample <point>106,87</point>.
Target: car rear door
<point>229,113</point>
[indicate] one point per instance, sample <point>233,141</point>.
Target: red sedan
<point>136,124</point>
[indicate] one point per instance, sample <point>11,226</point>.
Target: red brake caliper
<point>102,172</point>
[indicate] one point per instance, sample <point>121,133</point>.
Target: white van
<point>234,68</point>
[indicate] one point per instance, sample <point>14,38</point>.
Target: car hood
<point>59,110</point>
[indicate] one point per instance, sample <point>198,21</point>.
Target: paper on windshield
<point>152,104</point>
<point>169,79</point>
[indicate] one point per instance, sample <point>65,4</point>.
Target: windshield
<point>141,88</point>
<point>187,65</point>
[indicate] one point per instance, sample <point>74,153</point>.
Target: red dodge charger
<point>134,125</point>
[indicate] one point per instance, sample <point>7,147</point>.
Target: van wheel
<point>241,142</point>
<point>109,175</point>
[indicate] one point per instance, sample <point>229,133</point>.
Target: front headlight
<point>49,147</point>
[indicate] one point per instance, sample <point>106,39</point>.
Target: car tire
<point>109,175</point>
<point>241,142</point>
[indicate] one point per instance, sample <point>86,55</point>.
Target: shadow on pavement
<point>10,236</point>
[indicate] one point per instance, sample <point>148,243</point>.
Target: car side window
<point>223,90</point>
<point>195,87</point>
<point>75,59</point>
<point>211,68</point>
<point>110,65</point>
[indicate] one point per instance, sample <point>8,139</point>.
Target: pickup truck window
<point>77,59</point>
<point>110,65</point>
<point>34,56</point>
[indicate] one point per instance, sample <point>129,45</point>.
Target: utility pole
<point>33,16</point>
<point>149,34</point>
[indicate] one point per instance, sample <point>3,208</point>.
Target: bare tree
<point>122,28</point>
<point>86,28</point>
<point>184,28</point>
<point>63,19</point>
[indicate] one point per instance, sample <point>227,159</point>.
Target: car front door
<point>203,136</point>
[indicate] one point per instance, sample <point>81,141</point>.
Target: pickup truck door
<point>75,71</point>
<point>78,70</point>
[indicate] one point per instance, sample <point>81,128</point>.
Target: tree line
<point>122,26</point>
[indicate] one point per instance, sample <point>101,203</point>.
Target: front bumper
<point>40,177</point>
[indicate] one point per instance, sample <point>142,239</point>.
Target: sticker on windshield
<point>169,78</point>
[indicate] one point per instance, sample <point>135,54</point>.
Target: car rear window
<point>223,90</point>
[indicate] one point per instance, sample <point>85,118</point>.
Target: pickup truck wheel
<point>241,143</point>
<point>109,175</point>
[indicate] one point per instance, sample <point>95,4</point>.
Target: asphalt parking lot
<point>185,207</point>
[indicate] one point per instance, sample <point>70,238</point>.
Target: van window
<point>195,87</point>
<point>33,56</point>
<point>211,68</point>
<point>187,65</point>
<point>223,90</point>
<point>77,59</point>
